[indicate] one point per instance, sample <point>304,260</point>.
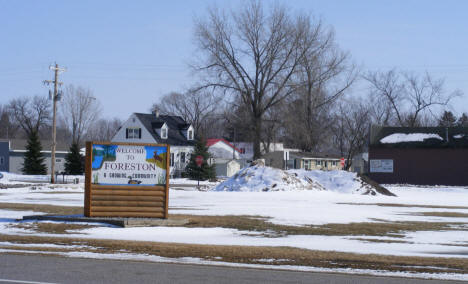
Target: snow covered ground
<point>292,207</point>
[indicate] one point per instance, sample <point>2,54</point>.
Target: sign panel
<point>199,160</point>
<point>381,166</point>
<point>126,180</point>
<point>128,165</point>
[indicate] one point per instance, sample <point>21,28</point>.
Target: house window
<point>182,157</point>
<point>172,160</point>
<point>164,133</point>
<point>318,163</point>
<point>242,150</point>
<point>58,160</point>
<point>133,133</point>
<point>190,135</point>
<point>307,164</point>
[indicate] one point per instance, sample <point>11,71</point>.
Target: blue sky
<point>130,53</point>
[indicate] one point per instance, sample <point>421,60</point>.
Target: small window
<point>133,133</point>
<point>318,163</point>
<point>58,160</point>
<point>182,157</point>
<point>172,160</point>
<point>190,135</point>
<point>163,133</point>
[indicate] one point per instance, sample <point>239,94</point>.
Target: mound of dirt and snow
<point>262,178</point>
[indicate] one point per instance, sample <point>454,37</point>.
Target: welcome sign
<point>126,180</point>
<point>129,165</point>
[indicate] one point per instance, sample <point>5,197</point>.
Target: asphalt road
<point>50,269</point>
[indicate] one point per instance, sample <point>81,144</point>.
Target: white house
<point>160,129</point>
<point>221,149</point>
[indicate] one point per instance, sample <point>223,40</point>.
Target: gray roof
<point>20,144</point>
<point>176,125</point>
<point>452,137</point>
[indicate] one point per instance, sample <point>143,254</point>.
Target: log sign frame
<point>126,180</point>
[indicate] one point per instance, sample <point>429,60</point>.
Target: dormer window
<point>164,133</point>
<point>190,134</point>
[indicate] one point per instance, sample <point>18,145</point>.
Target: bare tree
<point>78,110</point>
<point>252,54</point>
<point>103,129</point>
<point>30,113</point>
<point>351,129</point>
<point>8,127</point>
<point>325,74</point>
<point>407,98</point>
<point>197,107</point>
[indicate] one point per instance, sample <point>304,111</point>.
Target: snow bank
<point>411,137</point>
<point>11,178</point>
<point>262,178</point>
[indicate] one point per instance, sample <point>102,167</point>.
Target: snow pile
<point>262,178</point>
<point>341,182</point>
<point>411,137</point>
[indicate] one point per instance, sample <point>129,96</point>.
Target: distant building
<point>302,160</point>
<point>12,155</point>
<point>225,157</point>
<point>419,155</point>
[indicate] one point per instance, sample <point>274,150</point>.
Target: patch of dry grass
<point>50,228</point>
<point>262,226</point>
<point>256,255</point>
<point>49,209</point>
<point>442,214</point>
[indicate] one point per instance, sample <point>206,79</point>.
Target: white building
<point>160,129</point>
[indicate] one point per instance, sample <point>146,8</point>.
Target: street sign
<point>199,160</point>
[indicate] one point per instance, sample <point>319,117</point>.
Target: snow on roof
<point>261,178</point>
<point>411,137</point>
<point>459,136</point>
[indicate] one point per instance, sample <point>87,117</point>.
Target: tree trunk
<point>257,121</point>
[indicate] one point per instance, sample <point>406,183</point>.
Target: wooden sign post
<point>126,180</point>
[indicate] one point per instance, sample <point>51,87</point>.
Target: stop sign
<point>342,162</point>
<point>199,160</point>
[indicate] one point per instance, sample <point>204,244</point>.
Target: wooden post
<point>88,165</point>
<point>168,167</point>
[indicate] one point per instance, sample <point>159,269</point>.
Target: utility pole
<point>54,119</point>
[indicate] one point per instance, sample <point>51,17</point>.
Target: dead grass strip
<point>262,226</point>
<point>45,208</point>
<point>258,255</point>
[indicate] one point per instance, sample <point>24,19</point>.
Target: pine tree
<point>447,119</point>
<point>463,120</point>
<point>74,161</point>
<point>33,160</point>
<point>205,171</point>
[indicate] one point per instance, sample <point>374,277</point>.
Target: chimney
<point>155,111</point>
